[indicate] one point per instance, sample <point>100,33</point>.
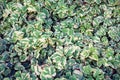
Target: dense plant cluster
<point>59,40</point>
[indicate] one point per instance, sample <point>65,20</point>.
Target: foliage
<point>59,39</point>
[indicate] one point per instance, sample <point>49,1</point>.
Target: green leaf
<point>111,1</point>
<point>61,78</point>
<point>73,77</point>
<point>7,72</point>
<point>6,79</point>
<point>5,56</point>
<point>17,74</point>
<point>46,12</point>
<point>98,1</point>
<point>2,68</point>
<point>98,20</point>
<point>116,76</point>
<point>94,57</point>
<point>85,54</point>
<point>48,73</point>
<point>17,35</point>
<point>87,69</point>
<point>23,57</point>
<point>109,52</point>
<point>102,31</point>
<point>101,62</point>
<point>98,74</point>
<point>96,39</point>
<point>114,33</point>
<point>78,74</point>
<point>19,66</point>
<point>105,40</point>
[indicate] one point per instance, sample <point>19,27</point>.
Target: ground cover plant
<point>59,39</point>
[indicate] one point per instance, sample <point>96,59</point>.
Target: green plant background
<point>59,39</point>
